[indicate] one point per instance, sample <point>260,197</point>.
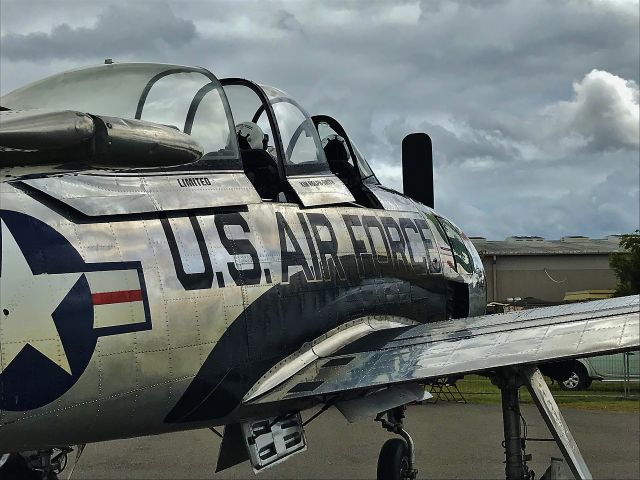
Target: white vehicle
<point>607,368</point>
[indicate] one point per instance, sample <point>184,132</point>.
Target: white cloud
<point>628,7</point>
<point>604,112</point>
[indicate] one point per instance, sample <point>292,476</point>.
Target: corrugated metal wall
<point>547,277</point>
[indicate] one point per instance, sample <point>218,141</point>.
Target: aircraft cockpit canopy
<point>190,100</point>
<point>208,118</point>
<point>303,151</point>
<point>295,142</point>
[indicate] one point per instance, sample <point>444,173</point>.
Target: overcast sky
<point>533,107</point>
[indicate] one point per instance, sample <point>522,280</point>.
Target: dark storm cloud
<point>532,106</point>
<point>138,28</point>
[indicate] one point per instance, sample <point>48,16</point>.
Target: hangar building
<point>546,269</point>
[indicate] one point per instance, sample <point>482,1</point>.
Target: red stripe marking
<point>122,296</point>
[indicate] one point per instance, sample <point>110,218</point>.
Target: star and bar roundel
<point>53,308</point>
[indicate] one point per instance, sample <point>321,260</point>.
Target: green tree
<point>626,265</point>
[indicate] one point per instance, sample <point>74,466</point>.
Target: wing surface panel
<point>470,345</point>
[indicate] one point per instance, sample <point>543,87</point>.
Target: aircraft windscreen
<point>187,99</point>
<point>363,165</point>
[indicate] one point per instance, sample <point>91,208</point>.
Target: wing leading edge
<point>467,345</point>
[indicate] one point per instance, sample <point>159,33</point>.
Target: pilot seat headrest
<point>335,148</point>
<point>250,135</point>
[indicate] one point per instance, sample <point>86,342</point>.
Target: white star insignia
<point>28,302</point>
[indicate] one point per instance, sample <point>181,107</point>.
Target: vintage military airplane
<point>181,252</point>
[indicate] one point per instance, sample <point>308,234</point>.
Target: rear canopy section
<point>154,114</point>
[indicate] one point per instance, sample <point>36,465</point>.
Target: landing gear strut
<point>509,381</point>
<point>397,456</point>
<point>514,443</point>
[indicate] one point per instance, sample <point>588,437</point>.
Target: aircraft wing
<point>479,344</point>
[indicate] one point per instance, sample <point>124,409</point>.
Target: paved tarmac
<point>453,441</point>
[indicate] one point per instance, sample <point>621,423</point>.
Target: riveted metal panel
<point>98,194</point>
<point>316,190</point>
<point>392,200</point>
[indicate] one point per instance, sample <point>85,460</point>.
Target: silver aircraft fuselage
<point>119,326</point>
<point>155,274</point>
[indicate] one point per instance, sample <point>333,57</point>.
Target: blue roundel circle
<point>30,379</point>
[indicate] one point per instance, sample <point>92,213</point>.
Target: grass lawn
<point>599,396</point>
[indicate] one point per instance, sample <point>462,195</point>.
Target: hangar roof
<point>571,245</point>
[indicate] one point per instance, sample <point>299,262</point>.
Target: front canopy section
<point>303,153</point>
<point>281,151</point>
<point>188,100</point>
